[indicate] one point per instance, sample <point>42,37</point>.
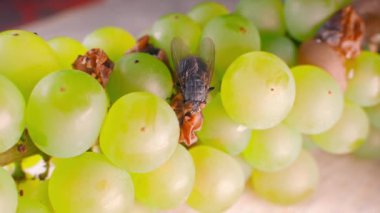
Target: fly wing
<point>207,53</point>
<point>179,51</point>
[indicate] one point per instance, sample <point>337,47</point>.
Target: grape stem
<point>24,148</point>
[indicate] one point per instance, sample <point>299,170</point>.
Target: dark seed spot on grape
<point>35,33</point>
<point>62,89</point>
<point>21,148</point>
<point>329,92</point>
<point>136,61</point>
<point>15,34</point>
<point>142,129</point>
<point>176,17</point>
<point>242,30</point>
<point>21,193</point>
<point>271,89</point>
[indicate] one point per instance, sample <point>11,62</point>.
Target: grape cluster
<point>284,71</point>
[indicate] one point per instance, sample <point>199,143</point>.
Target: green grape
<point>219,180</point>
<point>258,90</point>
<point>139,72</point>
<point>267,15</point>
<point>220,131</point>
<point>303,18</point>
<point>348,134</point>
<point>371,147</point>
<point>322,55</point>
<point>27,205</point>
<point>67,50</point>
<point>140,132</point>
<point>364,79</point>
<point>90,183</point>
<point>205,11</point>
<point>174,25</point>
<point>273,149</point>
<point>12,107</point>
<point>246,168</point>
<point>114,41</point>
<point>169,185</point>
<point>291,185</point>
<point>65,113</point>
<point>233,35</point>
<point>319,100</point>
<point>374,115</point>
<point>33,165</point>
<point>281,46</point>
<point>35,190</point>
<point>25,58</point>
<point>8,192</point>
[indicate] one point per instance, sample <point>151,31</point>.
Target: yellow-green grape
<point>27,205</point>
<point>303,18</point>
<point>273,149</point>
<point>140,208</point>
<point>8,192</point>
<point>35,190</point>
<point>25,58</point>
<point>219,180</point>
<point>348,134</point>
<point>245,166</point>
<point>267,15</point>
<point>33,165</point>
<point>67,50</point>
<point>371,147</point>
<point>114,41</point>
<point>319,100</point>
<point>258,90</point>
<point>169,185</point>
<point>140,72</point>
<point>65,113</point>
<point>281,46</point>
<point>140,132</point>
<point>364,79</point>
<point>220,131</point>
<point>89,183</point>
<point>174,25</point>
<point>233,35</point>
<point>291,185</point>
<point>205,11</point>
<point>12,107</point>
<point>374,115</point>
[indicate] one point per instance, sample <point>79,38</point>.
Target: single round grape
<point>267,15</point>
<point>273,149</point>
<point>322,55</point>
<point>25,58</point>
<point>140,132</point>
<point>374,115</point>
<point>364,79</point>
<point>303,18</point>
<point>12,107</point>
<point>220,131</point>
<point>174,25</point>
<point>65,113</point>
<point>67,49</point>
<point>205,11</point>
<point>114,41</point>
<point>291,185</point>
<point>348,134</point>
<point>233,35</point>
<point>27,205</point>
<point>219,180</point>
<point>35,190</point>
<point>281,46</point>
<point>319,100</point>
<point>169,185</point>
<point>371,147</point>
<point>8,192</point>
<point>258,90</point>
<point>90,183</point>
<point>139,72</point>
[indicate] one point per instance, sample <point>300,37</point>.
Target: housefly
<point>192,74</point>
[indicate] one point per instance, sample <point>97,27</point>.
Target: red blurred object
<point>18,12</point>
